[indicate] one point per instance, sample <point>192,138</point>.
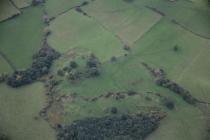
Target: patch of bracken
<point>129,127</point>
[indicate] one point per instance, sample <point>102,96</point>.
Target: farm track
<point>7,60</point>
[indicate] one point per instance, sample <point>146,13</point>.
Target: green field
<point>22,3</point>
<point>21,37</point>
<point>159,53</point>
<point>5,67</point>
<point>7,10</point>
<point>171,35</point>
<point>129,23</point>
<point>54,7</point>
<point>19,110</point>
<point>73,30</point>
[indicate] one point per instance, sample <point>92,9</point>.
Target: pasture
<point>5,67</point>
<point>22,3</point>
<point>128,22</point>
<point>21,37</point>
<point>73,30</point>
<point>7,10</point>
<point>173,36</point>
<point>54,7</point>
<point>19,115</point>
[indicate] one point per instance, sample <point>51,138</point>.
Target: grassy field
<point>19,108</point>
<point>22,3</point>
<point>5,67</point>
<point>195,17</point>
<point>137,78</point>
<point>159,53</point>
<point>181,49</point>
<point>7,10</point>
<point>21,37</point>
<point>73,30</point>
<point>126,21</point>
<point>55,7</point>
<point>155,47</point>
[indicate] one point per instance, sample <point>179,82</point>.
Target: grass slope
<point>21,37</point>
<point>18,110</point>
<point>73,30</point>
<point>7,10</point>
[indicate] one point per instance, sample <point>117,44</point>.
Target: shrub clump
<point>92,65</point>
<point>134,127</point>
<point>168,103</point>
<point>41,64</point>
<point>174,87</point>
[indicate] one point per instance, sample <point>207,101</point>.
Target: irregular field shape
<point>73,30</point>
<point>7,10</point>
<point>21,37</point>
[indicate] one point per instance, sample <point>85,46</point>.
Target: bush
<point>114,110</point>
<point>73,64</point>
<point>168,103</point>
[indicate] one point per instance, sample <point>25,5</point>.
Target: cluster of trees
<point>93,65</point>
<point>127,127</point>
<point>72,72</point>
<point>41,64</point>
<point>176,89</point>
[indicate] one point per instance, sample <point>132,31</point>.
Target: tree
<point>73,64</point>
<point>93,71</point>
<point>176,48</point>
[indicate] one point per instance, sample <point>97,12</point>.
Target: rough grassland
<point>19,110</point>
<point>126,21</point>
<point>22,3</point>
<point>7,10</point>
<point>156,48</point>
<point>21,37</point>
<point>55,7</point>
<point>73,30</point>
